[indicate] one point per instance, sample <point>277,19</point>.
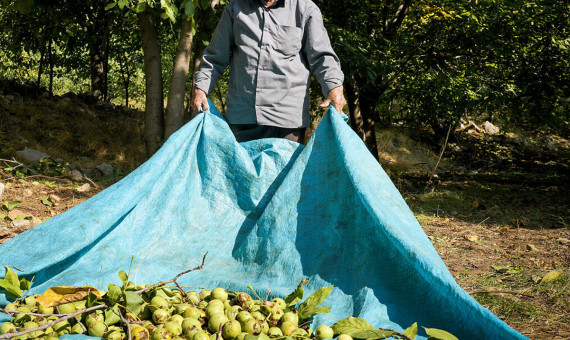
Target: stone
<point>2,186</point>
<point>54,198</point>
<point>76,175</point>
<point>35,221</point>
<point>19,226</point>
<point>490,128</point>
<point>32,155</point>
<point>106,169</point>
<point>84,188</point>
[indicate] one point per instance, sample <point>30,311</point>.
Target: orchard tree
<point>148,13</point>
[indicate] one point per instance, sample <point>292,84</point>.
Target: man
<point>272,47</point>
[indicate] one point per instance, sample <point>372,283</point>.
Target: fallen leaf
<point>550,276</point>
<point>531,247</point>
<point>60,295</point>
<point>563,241</point>
<point>471,238</point>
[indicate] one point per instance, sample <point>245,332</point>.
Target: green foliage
<point>310,306</point>
<point>438,334</point>
<point>359,328</point>
<point>297,295</point>
<point>14,285</point>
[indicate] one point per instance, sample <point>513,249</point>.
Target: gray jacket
<point>272,53</point>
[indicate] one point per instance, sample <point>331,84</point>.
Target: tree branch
<point>162,283</point>
<point>400,15</point>
<point>49,324</point>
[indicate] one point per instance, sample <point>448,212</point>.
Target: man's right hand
<point>199,100</point>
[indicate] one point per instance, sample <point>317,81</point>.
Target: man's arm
<point>323,61</point>
<point>214,61</point>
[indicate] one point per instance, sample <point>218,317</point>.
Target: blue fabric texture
<point>269,213</point>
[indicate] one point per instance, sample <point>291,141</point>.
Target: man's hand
<point>199,100</point>
<point>335,97</point>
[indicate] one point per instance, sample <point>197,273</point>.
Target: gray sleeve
<point>323,62</point>
<point>217,54</point>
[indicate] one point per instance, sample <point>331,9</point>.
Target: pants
<point>247,132</point>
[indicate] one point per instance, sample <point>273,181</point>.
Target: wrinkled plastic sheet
<point>269,213</point>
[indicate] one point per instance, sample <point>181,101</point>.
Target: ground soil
<point>497,211</point>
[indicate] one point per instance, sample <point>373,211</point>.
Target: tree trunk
<point>154,115</point>
<point>175,105</point>
<point>50,59</point>
<point>368,111</point>
<point>355,118</point>
<point>125,74</point>
<point>202,16</point>
<point>98,53</point>
<point>41,67</point>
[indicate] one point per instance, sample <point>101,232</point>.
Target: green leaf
<point>11,284</point>
<point>297,295</point>
<point>351,325</point>
<point>113,293</point>
<point>47,202</point>
<point>412,331</point>
<point>10,206</point>
<point>111,5</point>
<point>25,284</point>
<point>373,334</point>
<point>308,308</point>
<point>3,217</point>
<point>321,310</point>
<point>91,300</point>
<point>123,277</point>
<point>188,7</point>
<point>133,301</point>
<point>439,334</point>
<point>360,329</point>
<point>140,7</point>
<point>111,316</point>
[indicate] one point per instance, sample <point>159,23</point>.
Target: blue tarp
<point>269,213</point>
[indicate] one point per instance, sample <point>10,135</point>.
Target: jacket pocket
<point>288,39</point>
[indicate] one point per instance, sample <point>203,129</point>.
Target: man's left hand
<point>336,98</point>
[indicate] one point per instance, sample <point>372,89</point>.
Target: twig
<point>59,178</point>
<point>13,160</point>
<point>484,220</point>
<point>126,323</point>
<point>219,337</point>
<point>162,283</point>
<point>500,292</point>
<point>184,295</point>
<point>440,156</point>
<point>6,311</point>
<point>18,269</point>
<point>403,336</point>
<point>49,324</point>
<point>89,179</point>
